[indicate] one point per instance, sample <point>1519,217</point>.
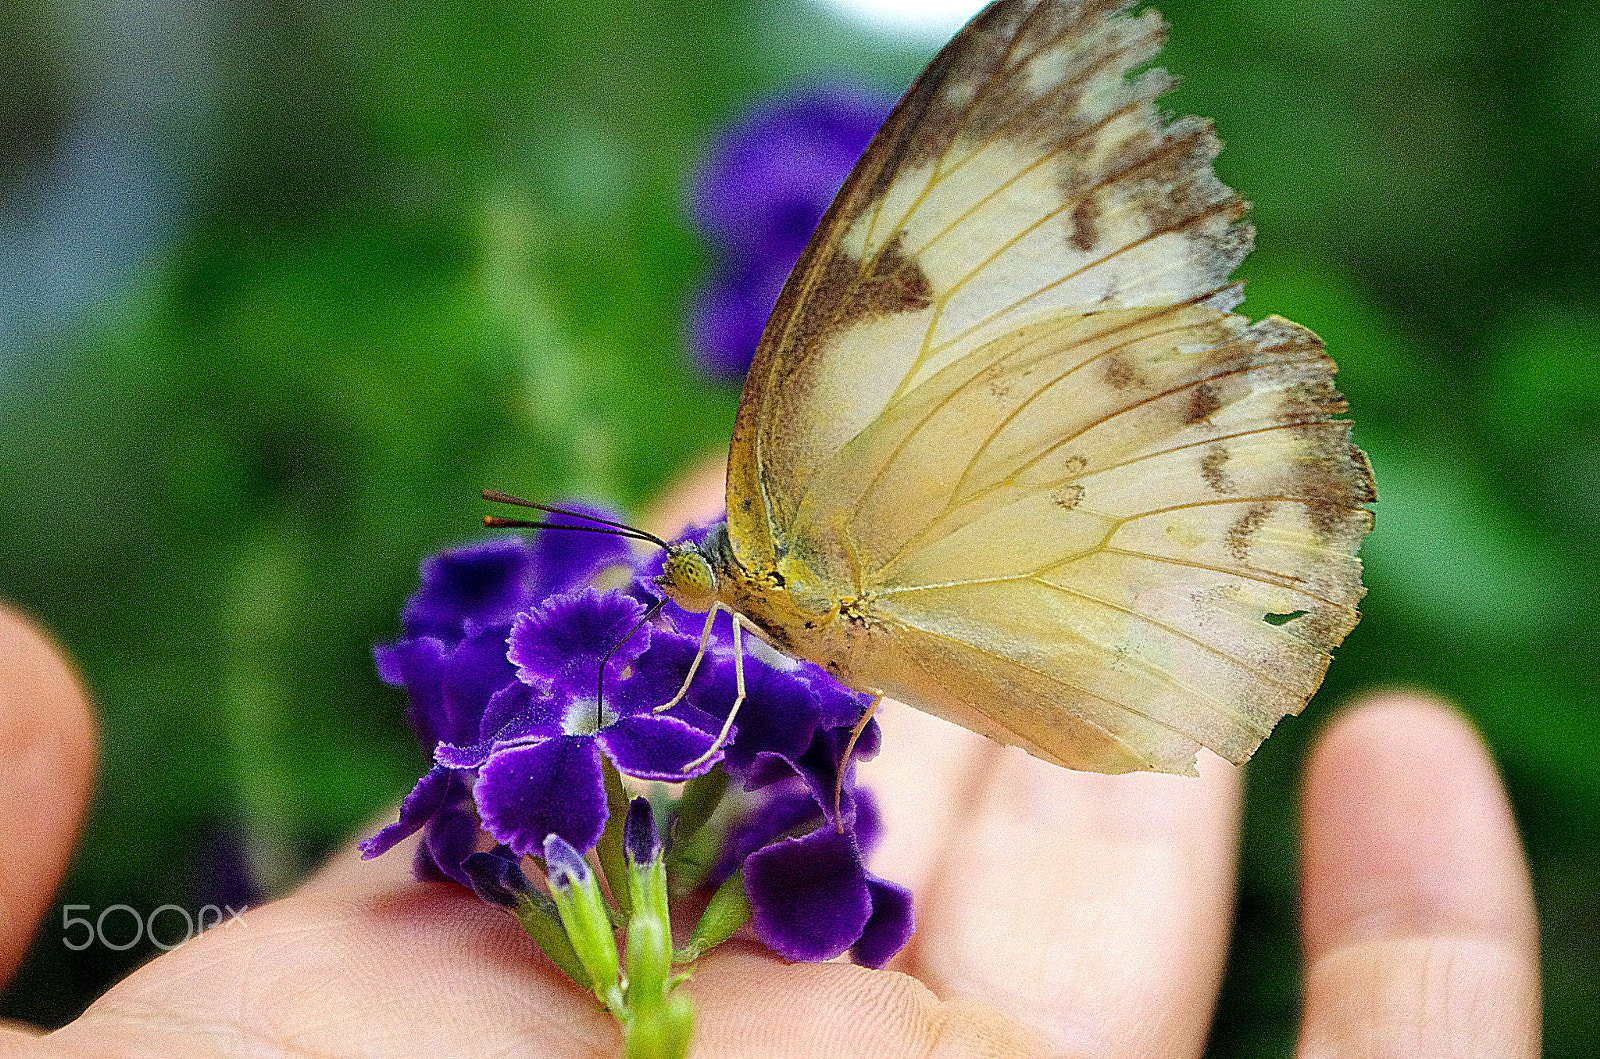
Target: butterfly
<point>1004,452</point>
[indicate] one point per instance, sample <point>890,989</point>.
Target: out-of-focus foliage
<point>285,285</point>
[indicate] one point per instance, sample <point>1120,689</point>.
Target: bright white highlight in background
<point>911,19</point>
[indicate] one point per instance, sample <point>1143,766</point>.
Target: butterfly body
<point>1006,453</point>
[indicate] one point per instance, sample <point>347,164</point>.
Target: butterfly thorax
<point>787,603</point>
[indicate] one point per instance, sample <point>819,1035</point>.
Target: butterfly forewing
<point>1003,417</point>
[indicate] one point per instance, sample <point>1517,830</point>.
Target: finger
<point>47,750</point>
<point>1094,909</point>
<point>1418,913</point>
<point>696,496</point>
<point>924,782</point>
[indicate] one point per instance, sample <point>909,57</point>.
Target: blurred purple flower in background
<point>762,188</point>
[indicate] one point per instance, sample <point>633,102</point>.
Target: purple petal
<point>771,173</point>
<point>889,927</point>
<point>519,713</point>
<point>782,812</point>
<point>656,674</point>
<point>482,583</point>
<point>778,715</point>
<point>656,748</point>
<point>432,793</point>
<point>565,637</point>
<point>448,840</point>
<point>555,787</point>
<point>475,672</point>
<point>724,319</point>
<point>809,895</point>
<point>764,185</point>
<point>496,877</point>
<point>563,864</point>
<point>419,666</point>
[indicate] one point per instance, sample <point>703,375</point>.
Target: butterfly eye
<point>689,579</point>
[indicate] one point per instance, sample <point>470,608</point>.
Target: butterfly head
<point>688,577</point>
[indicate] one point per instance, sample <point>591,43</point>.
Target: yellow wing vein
<point>1266,577</point>
<point>926,351</point>
<point>1148,400</point>
<point>921,537</point>
<point>1230,206</point>
<point>1005,70</point>
<point>945,401</point>
<point>1221,501</point>
<point>938,174</point>
<point>1056,679</point>
<point>1220,705</point>
<point>955,496</point>
<point>1047,156</point>
<point>1180,634</point>
<point>979,96</point>
<point>1020,115</point>
<point>1317,424</point>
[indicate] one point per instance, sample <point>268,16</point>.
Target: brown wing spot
<point>1244,528</point>
<point>1211,468</point>
<point>1085,231</point>
<point>1335,483</point>
<point>1068,496</point>
<point>893,284</point>
<point>1120,375</point>
<point>1203,401</point>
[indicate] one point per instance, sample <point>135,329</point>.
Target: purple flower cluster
<point>501,657</point>
<point>760,192</point>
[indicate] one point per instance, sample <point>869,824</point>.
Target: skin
<point>1059,913</point>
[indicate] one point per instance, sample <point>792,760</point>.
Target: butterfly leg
<point>849,748</point>
<point>694,667</point>
<point>739,622</point>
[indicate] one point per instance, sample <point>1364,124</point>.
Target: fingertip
<point>1417,909</point>
<point>1408,828</point>
<point>48,744</point>
<point>1410,715</point>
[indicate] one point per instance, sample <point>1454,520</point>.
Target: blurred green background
<point>284,283</point>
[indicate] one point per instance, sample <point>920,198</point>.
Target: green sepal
<point>587,920</point>
<point>728,910</point>
<point>540,918</point>
<point>701,796</point>
<point>695,846</point>
<point>649,948</point>
<point>649,963</point>
<point>609,849</point>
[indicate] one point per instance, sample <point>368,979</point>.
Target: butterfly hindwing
<point>1003,415</point>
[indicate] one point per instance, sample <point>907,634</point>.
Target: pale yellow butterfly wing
<point>1003,424</point>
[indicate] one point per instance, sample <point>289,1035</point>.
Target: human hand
<point>1058,913</point>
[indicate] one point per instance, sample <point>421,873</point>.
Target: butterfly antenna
<point>603,525</point>
<point>600,681</point>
